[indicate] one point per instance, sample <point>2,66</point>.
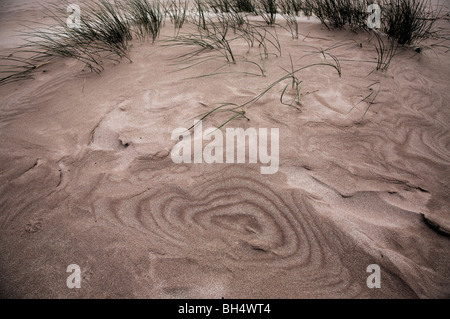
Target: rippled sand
<point>86,177</point>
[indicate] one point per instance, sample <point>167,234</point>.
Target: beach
<point>88,175</point>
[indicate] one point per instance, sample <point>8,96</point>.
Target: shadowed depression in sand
<point>86,175</point>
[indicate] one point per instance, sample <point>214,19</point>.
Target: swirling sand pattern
<point>242,223</point>
<point>243,218</point>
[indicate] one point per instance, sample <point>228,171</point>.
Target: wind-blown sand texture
<point>87,178</point>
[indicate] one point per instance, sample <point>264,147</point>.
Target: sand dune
<point>87,177</point>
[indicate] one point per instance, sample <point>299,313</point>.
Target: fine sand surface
<point>86,176</point>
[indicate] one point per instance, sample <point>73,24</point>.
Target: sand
<point>87,178</point>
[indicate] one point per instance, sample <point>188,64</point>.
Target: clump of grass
<point>177,12</point>
<point>295,84</point>
<point>264,36</point>
<point>220,5</point>
<point>216,35</point>
<point>15,67</point>
<point>243,6</point>
<point>147,18</point>
<point>292,25</point>
<point>254,33</point>
<point>409,21</point>
<point>232,5</point>
<point>215,38</point>
<point>335,14</point>
<point>332,13</point>
<point>307,7</point>
<point>385,52</point>
<point>290,9</point>
<point>106,23</point>
<point>104,33</point>
<point>240,110</point>
<point>201,6</point>
<point>212,37</point>
<point>358,15</point>
<point>233,19</point>
<point>326,53</point>
<point>267,9</point>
